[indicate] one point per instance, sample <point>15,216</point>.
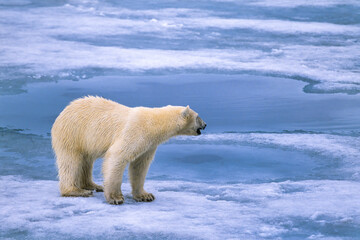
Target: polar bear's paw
<point>144,197</point>
<point>115,198</point>
<point>95,187</point>
<point>77,192</point>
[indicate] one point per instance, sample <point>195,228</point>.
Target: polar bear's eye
<point>198,119</point>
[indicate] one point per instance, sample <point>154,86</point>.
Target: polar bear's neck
<point>159,124</point>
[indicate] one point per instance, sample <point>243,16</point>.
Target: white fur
<point>92,127</point>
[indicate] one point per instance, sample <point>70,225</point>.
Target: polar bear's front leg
<point>137,173</point>
<point>113,171</point>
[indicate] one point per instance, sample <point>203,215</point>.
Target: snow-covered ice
<point>181,210</point>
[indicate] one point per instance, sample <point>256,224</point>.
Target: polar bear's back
<point>87,120</point>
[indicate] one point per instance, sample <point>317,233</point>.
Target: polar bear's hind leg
<point>70,168</point>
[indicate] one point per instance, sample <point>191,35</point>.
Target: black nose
<point>204,126</point>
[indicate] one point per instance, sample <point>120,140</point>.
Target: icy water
<point>276,81</point>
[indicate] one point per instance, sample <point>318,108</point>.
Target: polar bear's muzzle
<point>198,131</point>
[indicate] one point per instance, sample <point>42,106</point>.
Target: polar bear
<point>93,127</point>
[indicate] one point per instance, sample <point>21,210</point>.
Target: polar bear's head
<point>192,123</point>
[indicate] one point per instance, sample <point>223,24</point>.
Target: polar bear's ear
<point>186,112</point>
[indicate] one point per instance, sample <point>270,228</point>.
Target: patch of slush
<point>183,210</point>
<point>326,144</point>
<point>270,25</point>
<point>26,155</point>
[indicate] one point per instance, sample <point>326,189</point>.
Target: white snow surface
<point>182,210</point>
